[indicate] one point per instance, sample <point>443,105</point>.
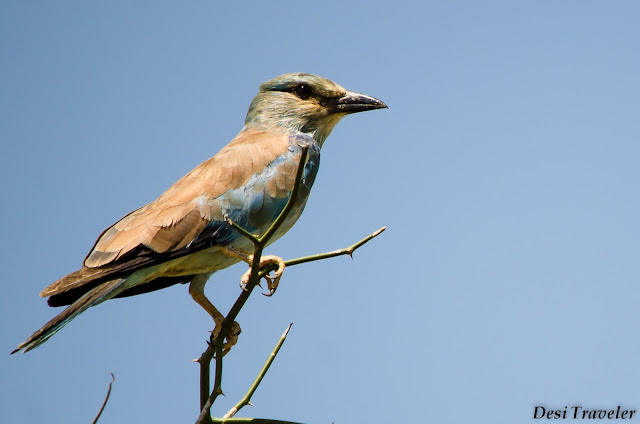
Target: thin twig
<point>246,400</point>
<point>206,357</point>
<point>346,251</point>
<point>106,399</point>
<point>205,372</point>
<point>206,399</point>
<point>241,230</point>
<point>264,239</point>
<point>320,256</point>
<point>250,420</point>
<point>217,382</point>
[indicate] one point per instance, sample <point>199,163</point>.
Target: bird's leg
<point>265,261</point>
<point>245,257</point>
<point>196,290</point>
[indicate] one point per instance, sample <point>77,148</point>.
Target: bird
<point>184,236</point>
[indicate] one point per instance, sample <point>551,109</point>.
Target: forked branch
<point>214,348</point>
<point>215,345</point>
<point>246,400</point>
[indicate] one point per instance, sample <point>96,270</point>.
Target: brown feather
<point>138,258</point>
<point>158,224</point>
<point>162,230</point>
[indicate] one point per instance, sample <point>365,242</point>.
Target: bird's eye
<point>303,91</point>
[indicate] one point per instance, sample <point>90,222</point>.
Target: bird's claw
<point>265,261</point>
<point>231,337</point>
<point>272,284</point>
<point>272,280</point>
<point>245,280</point>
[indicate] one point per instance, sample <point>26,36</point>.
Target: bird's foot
<point>230,339</point>
<point>271,263</point>
<point>196,290</point>
<point>274,279</point>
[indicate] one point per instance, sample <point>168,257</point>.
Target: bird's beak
<point>356,102</point>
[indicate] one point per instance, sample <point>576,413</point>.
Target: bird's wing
<point>164,228</point>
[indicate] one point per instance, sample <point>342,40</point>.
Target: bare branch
<point>246,400</point>
<point>106,399</point>
<point>205,373</point>
<point>241,230</point>
<point>250,420</point>
<point>292,198</point>
<point>346,251</point>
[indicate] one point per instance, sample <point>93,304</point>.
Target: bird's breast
<point>257,204</point>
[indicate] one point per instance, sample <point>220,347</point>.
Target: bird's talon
<point>274,279</point>
<point>271,292</point>
<point>230,339</point>
<point>244,280</point>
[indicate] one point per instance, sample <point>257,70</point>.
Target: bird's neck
<point>319,134</point>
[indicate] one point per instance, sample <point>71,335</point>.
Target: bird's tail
<point>92,297</point>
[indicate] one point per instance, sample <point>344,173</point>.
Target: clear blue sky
<point>506,169</point>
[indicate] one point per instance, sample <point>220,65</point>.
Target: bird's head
<point>295,103</point>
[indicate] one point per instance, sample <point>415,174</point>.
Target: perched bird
<point>182,236</point>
